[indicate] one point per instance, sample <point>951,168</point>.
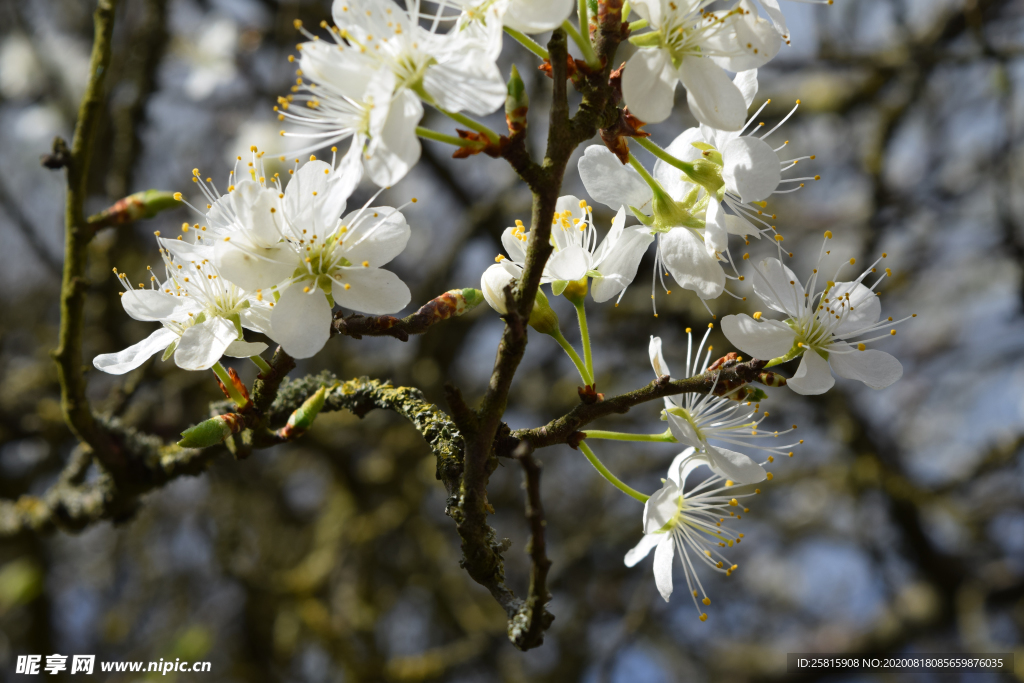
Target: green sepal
<point>558,286</point>
<point>169,351</point>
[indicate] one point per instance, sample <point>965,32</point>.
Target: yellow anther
<point>861,347</point>
<point>769,476</point>
<point>828,234</point>
<point>757,315</point>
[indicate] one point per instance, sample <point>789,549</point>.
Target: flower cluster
<point>269,256</point>
<point>276,255</point>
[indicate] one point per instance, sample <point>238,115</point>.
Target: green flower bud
<point>302,419</point>
<point>212,431</point>
<point>517,103</point>
<point>543,318</point>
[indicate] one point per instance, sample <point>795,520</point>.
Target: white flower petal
<point>642,549</point>
<point>398,147</point>
<point>243,349</point>
<point>470,82</point>
<point>256,317</point>
<point>380,235</point>
<point>661,507</point>
<point>751,168</point>
<point>571,263</point>
<point>610,240</point>
<point>813,377</point>
<point>537,16</point>
<point>252,267</point>
<point>371,290</point>
<point>762,340</point>
<point>864,307</point>
<point>716,236</point>
<point>319,213</point>
<point>610,183</point>
<point>774,12</point>
<point>778,287</point>
<point>675,182</point>
<point>663,566</point>
<point>657,359</point>
<point>618,269</point>
<point>746,81</point>
<point>756,38</point>
<point>713,98</point>
<point>875,368</point>
<point>686,258</point>
<point>683,464</point>
<point>735,466</point>
<point>514,247</point>
<point>683,430</point>
<point>493,283</point>
<point>149,305</point>
<point>203,344</point>
<point>649,85</point>
<point>301,321</point>
<point>135,355</point>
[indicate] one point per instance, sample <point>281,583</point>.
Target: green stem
<point>637,25</point>
<point>448,139</point>
<point>588,356</point>
<point>263,365</point>
<point>604,472</point>
<point>225,379</point>
<point>648,178</point>
<point>527,42</point>
<point>583,43</point>
<point>577,361</point>
<point>686,168</point>
<point>664,437</point>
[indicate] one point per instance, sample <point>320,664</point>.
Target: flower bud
<point>212,431</point>
<point>493,283</point>
<point>134,207</point>
<point>302,419</point>
<point>516,103</point>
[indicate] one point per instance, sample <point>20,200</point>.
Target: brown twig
<point>526,629</point>
<point>451,304</point>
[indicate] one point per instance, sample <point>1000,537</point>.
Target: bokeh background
<point>898,527</point>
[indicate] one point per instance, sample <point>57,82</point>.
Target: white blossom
<point>298,241</point>
<point>343,94</point>
<point>528,16</point>
<point>454,70</point>
<point>830,323</point>
<point>693,46</point>
<point>201,314</point>
<point>706,422</point>
<point>682,250</point>
<point>612,264</point>
<point>694,524</point>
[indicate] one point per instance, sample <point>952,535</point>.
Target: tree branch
<point>77,234</point>
<point>566,428</point>
<point>451,304</point>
